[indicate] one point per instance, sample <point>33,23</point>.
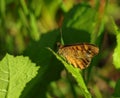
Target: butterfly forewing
<point>79,55</point>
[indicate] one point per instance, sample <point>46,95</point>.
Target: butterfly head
<point>91,50</point>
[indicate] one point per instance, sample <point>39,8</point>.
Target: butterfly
<point>79,55</point>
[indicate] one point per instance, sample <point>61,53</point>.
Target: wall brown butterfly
<point>79,55</point>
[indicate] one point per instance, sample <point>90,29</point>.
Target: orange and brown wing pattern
<point>79,55</point>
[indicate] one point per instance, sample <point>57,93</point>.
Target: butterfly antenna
<point>61,39</point>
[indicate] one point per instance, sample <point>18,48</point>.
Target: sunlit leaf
<point>116,55</point>
<point>15,72</point>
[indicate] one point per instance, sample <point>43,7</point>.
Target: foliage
<point>76,74</point>
<point>15,72</point>
<point>33,27</point>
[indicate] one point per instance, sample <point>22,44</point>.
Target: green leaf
<point>34,29</point>
<point>50,67</point>
<point>116,55</point>
<point>115,27</point>
<point>116,93</point>
<point>76,74</point>
<point>77,18</point>
<point>72,36</point>
<point>15,72</point>
<point>2,7</point>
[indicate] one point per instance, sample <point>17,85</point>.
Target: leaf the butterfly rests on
<point>76,74</point>
<point>79,55</point>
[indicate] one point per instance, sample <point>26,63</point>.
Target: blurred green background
<point>27,27</point>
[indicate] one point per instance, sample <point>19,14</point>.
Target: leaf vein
<point>3,90</point>
<point>4,80</point>
<point>6,72</point>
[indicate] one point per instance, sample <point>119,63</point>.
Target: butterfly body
<point>79,55</point>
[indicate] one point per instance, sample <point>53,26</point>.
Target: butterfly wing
<point>79,55</point>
